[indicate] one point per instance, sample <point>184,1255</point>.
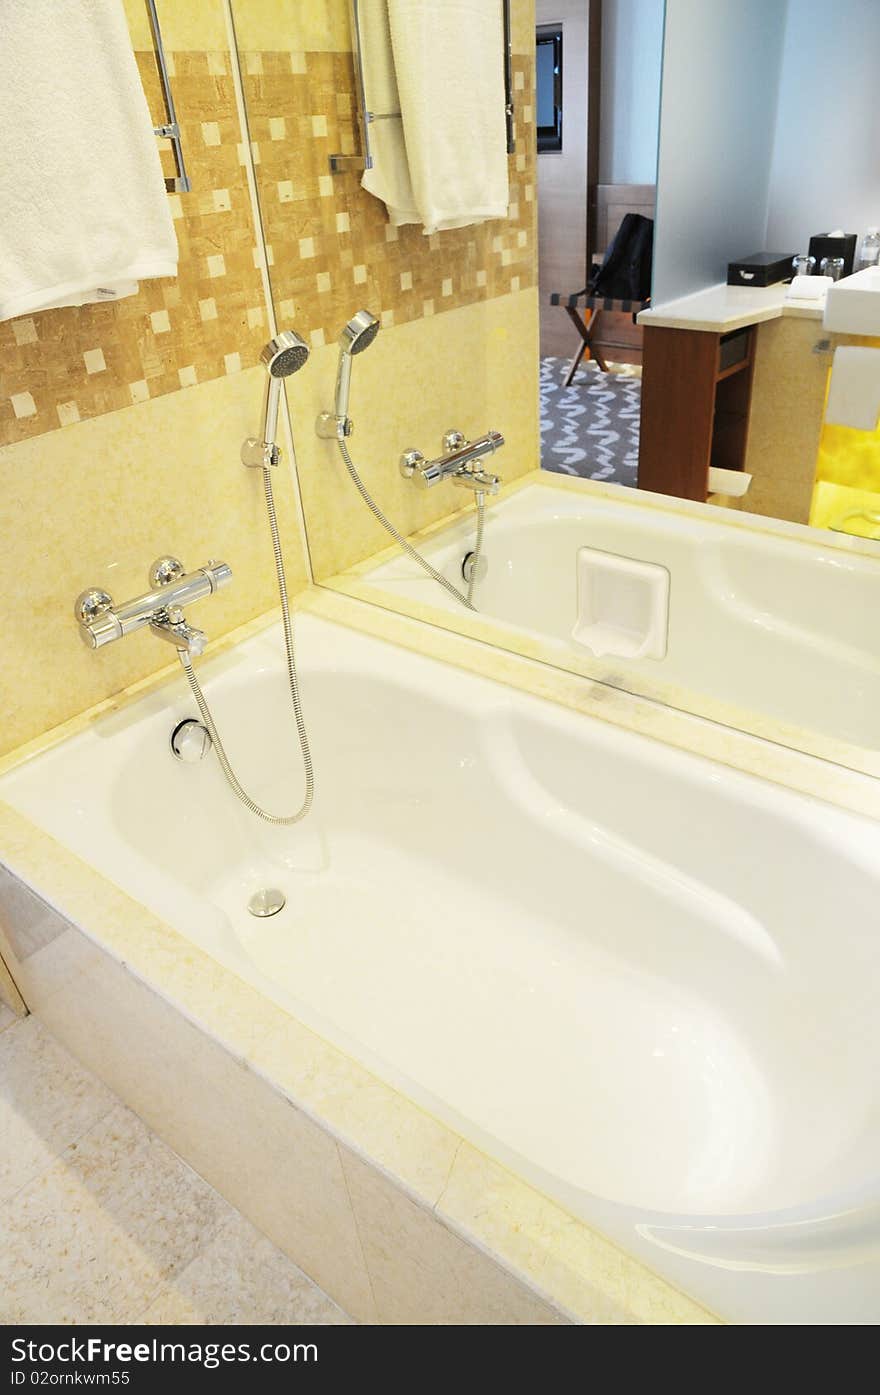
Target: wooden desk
<point>696,394</point>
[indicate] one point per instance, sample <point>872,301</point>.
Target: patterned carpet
<point>592,428</point>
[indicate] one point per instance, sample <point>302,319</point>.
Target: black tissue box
<point>763,269</point>
<point>824,246</point>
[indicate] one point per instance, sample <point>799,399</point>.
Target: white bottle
<point>869,252</point>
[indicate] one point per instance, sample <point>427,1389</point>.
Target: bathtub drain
<point>267,901</point>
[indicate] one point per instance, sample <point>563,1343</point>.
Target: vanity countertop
<point>720,309</point>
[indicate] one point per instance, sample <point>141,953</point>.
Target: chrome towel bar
<point>339,164</point>
<point>169,130</point>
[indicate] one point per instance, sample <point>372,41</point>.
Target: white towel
<point>389,178</point>
<point>85,214</point>
<point>854,392</point>
<point>449,170</point>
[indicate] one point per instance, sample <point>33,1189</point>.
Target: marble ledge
<point>721,309</point>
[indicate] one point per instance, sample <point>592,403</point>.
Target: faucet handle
<point>453,440</point>
<point>410,462</point>
<point>90,604</point>
<point>165,570</point>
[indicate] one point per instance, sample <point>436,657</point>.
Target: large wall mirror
<point>575,223</point>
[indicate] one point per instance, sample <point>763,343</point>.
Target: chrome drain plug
<point>267,901</point>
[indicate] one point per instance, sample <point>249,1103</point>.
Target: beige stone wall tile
<point>186,24</point>
<point>472,369</point>
<point>292,26</point>
<point>122,490</point>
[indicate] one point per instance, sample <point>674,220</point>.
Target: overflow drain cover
<point>267,901</point>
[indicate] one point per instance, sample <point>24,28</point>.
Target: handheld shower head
<point>357,336</point>
<point>284,355</point>
<point>359,333</point>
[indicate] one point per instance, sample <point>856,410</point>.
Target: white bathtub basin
<point>758,625</point>
<point>646,983</point>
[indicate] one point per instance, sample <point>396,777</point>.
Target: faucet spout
<point>480,481</point>
<point>170,624</point>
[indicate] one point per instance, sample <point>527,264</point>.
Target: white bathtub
<point>758,624</point>
<point>646,983</point>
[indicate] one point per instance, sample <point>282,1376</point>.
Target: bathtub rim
<point>820,777</point>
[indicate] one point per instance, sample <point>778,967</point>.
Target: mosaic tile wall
<point>62,366</point>
<point>329,243</point>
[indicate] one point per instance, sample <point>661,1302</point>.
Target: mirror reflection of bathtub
<point>761,633</point>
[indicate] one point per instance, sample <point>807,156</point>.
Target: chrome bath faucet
<point>458,463</point>
<point>160,608</point>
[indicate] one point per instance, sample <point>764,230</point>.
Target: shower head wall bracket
<point>330,427</point>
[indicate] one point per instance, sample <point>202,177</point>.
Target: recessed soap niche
<point>622,605</point>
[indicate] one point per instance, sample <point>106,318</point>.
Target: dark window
<point>548,40</point>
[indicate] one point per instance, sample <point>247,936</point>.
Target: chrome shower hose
<point>401,540</point>
<point>478,548</point>
<point>205,711</point>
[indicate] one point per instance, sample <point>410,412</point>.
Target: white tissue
<point>808,287</point>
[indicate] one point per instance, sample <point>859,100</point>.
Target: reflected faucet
<point>456,464</point>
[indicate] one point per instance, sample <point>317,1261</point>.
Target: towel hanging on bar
<point>441,63</point>
<point>85,213</point>
<point>339,163</point>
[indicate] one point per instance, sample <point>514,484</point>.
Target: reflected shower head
<point>285,354</point>
<point>358,335</point>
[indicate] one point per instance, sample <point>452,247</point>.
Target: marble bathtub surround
<point>103,1223</point>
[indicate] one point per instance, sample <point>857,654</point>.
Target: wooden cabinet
<point>696,396</point>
